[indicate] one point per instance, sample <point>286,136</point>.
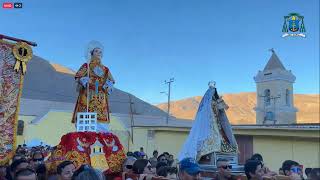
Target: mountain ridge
<point>241,107</point>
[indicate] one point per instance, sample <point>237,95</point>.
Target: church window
<point>269,116</point>
<point>287,97</point>
<point>267,97</point>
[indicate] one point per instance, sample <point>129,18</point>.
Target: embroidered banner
<point>11,83</point>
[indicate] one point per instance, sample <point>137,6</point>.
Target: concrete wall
<point>171,142</point>
<point>139,140</point>
<point>49,130</point>
<point>27,119</point>
<point>164,140</point>
<point>275,150</point>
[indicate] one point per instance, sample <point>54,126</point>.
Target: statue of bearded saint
<point>100,82</point>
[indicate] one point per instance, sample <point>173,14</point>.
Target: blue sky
<point>149,41</point>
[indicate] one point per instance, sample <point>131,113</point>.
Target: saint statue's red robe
<point>98,95</point>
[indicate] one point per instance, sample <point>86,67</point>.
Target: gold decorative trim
<point>17,115</point>
<point>6,42</point>
<point>23,53</point>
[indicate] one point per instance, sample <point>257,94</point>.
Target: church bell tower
<point>275,94</point>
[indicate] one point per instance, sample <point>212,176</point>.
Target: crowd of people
<point>255,168</point>
<point>188,169</point>
<point>26,162</point>
<point>29,164</point>
<point>163,165</point>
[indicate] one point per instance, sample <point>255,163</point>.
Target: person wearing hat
<point>189,169</point>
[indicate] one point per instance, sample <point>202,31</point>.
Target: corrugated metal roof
<point>311,126</point>
<point>151,121</point>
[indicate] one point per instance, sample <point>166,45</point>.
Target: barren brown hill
<point>62,69</point>
<point>241,107</point>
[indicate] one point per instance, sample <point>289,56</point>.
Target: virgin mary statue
<point>211,131</point>
<point>95,83</point>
